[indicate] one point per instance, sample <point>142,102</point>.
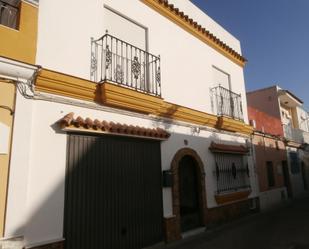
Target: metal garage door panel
<point>113,193</point>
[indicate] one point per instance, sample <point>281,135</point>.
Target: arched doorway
<point>190,213</point>
<point>189,193</point>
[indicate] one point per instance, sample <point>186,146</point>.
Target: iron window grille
<point>226,103</point>
<point>231,172</point>
<point>119,62</point>
<point>9,14</point>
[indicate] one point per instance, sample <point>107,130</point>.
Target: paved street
<point>286,228</point>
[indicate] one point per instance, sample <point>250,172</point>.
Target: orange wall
<point>265,123</point>
<point>265,100</point>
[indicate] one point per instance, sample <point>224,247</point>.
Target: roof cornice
<point>191,26</point>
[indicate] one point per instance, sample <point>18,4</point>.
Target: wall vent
<point>252,123</point>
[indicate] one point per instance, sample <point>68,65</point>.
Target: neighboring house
<point>283,105</point>
<point>127,137</point>
<point>270,158</point>
<point>18,27</point>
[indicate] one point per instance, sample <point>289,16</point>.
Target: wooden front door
<point>190,213</point>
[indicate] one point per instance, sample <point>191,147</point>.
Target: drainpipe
<point>16,70</point>
<point>257,188</point>
<point>23,74</point>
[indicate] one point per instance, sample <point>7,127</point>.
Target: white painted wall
<point>303,119</point>
<point>36,198</point>
<point>186,62</point>
<point>273,198</point>
<point>19,168</point>
<point>200,143</point>
<point>296,179</point>
<point>202,18</point>
<point>220,78</point>
<point>117,25</point>
<point>36,187</point>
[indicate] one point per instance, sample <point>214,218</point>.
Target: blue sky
<point>274,36</point>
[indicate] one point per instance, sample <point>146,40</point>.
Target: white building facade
<point>135,130</point>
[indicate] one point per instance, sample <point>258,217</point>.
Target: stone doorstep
<point>193,232</point>
<point>51,244</point>
<point>12,243</point>
<point>208,231</point>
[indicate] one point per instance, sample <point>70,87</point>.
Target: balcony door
<point>125,28</point>
<point>190,212</point>
<point>221,78</point>
<point>226,101</point>
<point>129,63</point>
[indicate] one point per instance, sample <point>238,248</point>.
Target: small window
<point>9,13</point>
<point>270,174</point>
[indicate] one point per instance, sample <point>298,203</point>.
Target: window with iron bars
<point>231,172</point>
<point>9,13</point>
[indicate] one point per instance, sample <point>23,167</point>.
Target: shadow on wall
<point>274,170</point>
<point>271,165</point>
<point>44,221</point>
<point>127,191</point>
<point>165,123</point>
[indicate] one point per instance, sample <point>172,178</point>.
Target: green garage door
<point>113,193</point>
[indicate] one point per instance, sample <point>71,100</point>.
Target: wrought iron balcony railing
<point>119,62</point>
<point>8,14</point>
<point>226,103</point>
<point>295,135</point>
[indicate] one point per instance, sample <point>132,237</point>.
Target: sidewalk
<point>284,228</point>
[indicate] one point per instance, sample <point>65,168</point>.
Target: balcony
<point>295,135</point>
<point>288,99</point>
<point>9,13</point>
<point>120,63</point>
<point>226,103</point>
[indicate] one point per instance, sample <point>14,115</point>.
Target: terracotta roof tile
<point>111,127</point>
<point>79,121</point>
<point>97,124</point>
<point>227,148</point>
<point>67,119</point>
<point>88,123</point>
<point>200,28</point>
